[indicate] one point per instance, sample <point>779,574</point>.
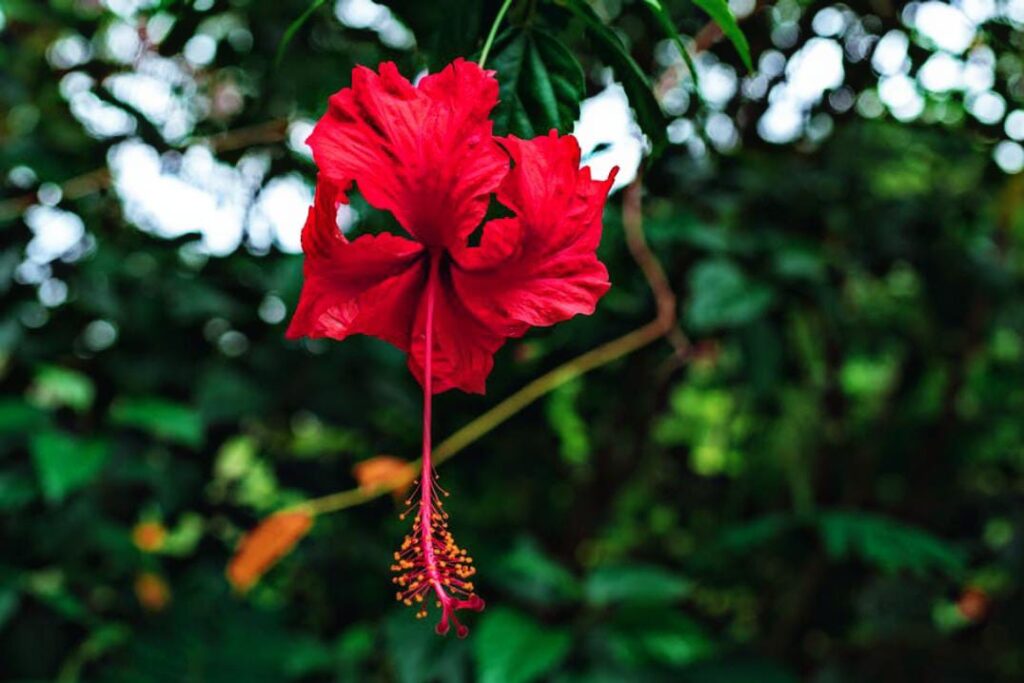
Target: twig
<point>662,325</point>
<point>98,179</point>
<point>636,242</point>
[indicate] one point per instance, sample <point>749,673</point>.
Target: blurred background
<point>825,484</point>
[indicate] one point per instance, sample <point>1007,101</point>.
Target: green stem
<point>494,31</point>
<point>595,358</point>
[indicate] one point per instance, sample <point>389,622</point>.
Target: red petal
<point>540,267</point>
<point>463,353</point>
<point>423,153</point>
<point>371,285</point>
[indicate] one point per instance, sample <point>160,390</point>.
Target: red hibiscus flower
<point>427,155</point>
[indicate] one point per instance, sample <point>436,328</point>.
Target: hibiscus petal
<point>371,285</point>
<point>540,267</point>
<point>463,348</point>
<point>423,153</point>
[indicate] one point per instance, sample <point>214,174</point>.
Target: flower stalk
<point>429,560</point>
<point>493,32</point>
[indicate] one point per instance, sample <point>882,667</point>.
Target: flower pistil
<point>429,559</point>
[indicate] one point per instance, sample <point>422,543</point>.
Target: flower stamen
<point>429,559</point>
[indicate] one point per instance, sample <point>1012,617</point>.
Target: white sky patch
<point>298,131</point>
<point>55,232</point>
<point>68,52</point>
<point>814,69</point>
<point>771,63</point>
<point>980,71</point>
<point>722,132</point>
<point>280,212</point>
<point>900,95</point>
<point>718,82</point>
<point>163,93</point>
<point>101,119</point>
<point>200,49</point>
<point>945,26</point>
<point>829,22</point>
<point>120,42</point>
<point>1009,156</point>
<point>128,8</point>
<point>782,122</point>
<point>890,55</point>
<point>1014,11</point>
<point>196,193</point>
<point>742,8</point>
<point>941,73</point>
<point>1014,124</point>
<point>609,135</point>
<point>369,15</point>
<point>988,107</point>
<point>978,11</point>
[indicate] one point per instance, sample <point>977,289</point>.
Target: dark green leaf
<point>541,84</point>
<point>18,416</point>
<point>531,575</point>
<point>635,584</point>
<point>720,13</point>
<point>736,669</point>
<point>64,463</point>
<point>9,600</point>
<point>722,296</point>
<point>16,491</point>
<point>294,27</point>
<point>163,419</point>
<point>628,72</point>
<point>512,648</point>
<point>888,544</point>
<point>661,14</point>
<point>657,634</point>
<point>55,387</point>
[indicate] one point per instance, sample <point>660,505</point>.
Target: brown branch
<point>265,133</point>
<point>636,242</point>
<point>663,325</point>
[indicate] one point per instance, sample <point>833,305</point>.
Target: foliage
<point>825,486</point>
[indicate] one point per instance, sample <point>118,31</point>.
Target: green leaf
<point>661,14</point>
<point>16,491</point>
<point>541,84</point>
<point>635,584</point>
<point>720,13</point>
<point>183,538</point>
<point>735,668</point>
<point>9,600</point>
<point>163,419</point>
<point>564,417</point>
<point>17,416</point>
<point>723,297</point>
<point>634,80</point>
<point>64,463</point>
<point>293,28</point>
<point>746,537</point>
<point>888,544</point>
<point>512,648</point>
<point>56,387</point>
<point>418,655</point>
<point>533,576</point>
<point>656,634</point>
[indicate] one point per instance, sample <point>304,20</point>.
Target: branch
<point>662,325</point>
<point>98,179</point>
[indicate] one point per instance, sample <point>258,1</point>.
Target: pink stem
<point>427,475</point>
<point>438,574</point>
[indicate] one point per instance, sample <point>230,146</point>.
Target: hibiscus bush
<point>775,435</point>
